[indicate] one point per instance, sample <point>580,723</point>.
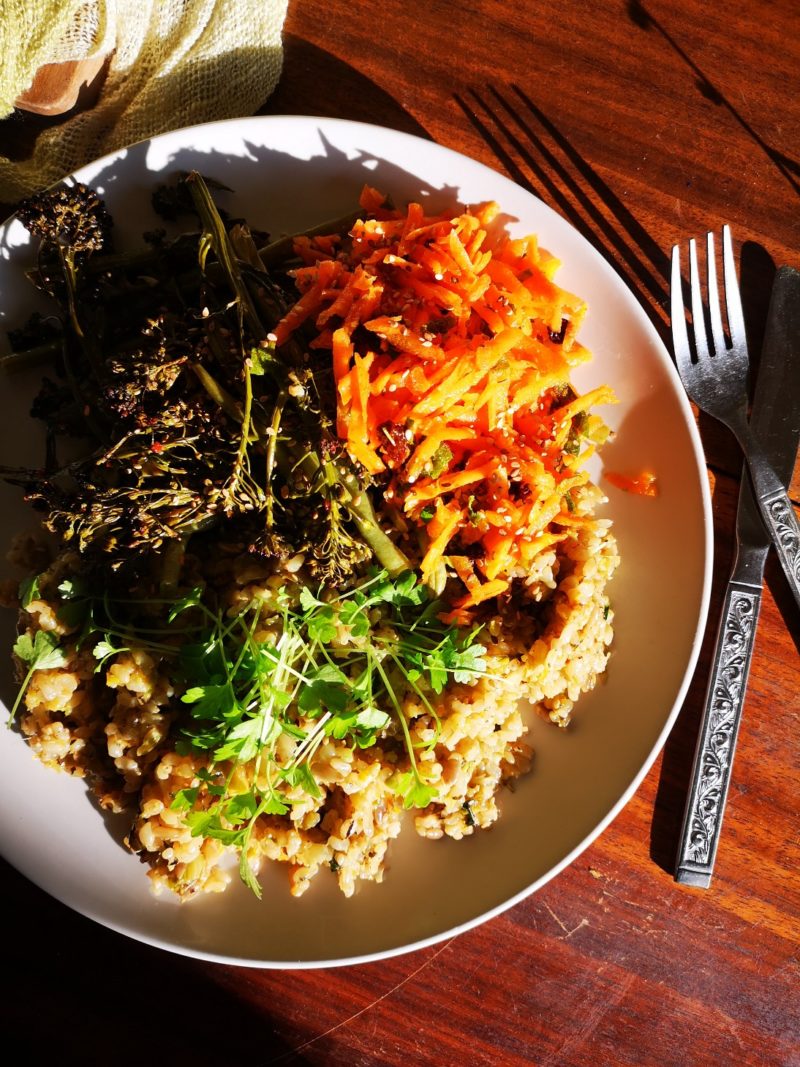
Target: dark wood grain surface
<point>644,124</point>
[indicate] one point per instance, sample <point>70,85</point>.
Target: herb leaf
<point>211,701</point>
<point>41,653</point>
<point>415,792</point>
<point>29,591</point>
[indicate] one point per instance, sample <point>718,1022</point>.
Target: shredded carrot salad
<point>645,483</point>
<point>451,350</point>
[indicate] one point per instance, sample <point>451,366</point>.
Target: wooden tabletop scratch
<point>363,1011</point>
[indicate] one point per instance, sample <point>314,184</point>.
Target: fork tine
<point>698,321</point>
<point>714,312</point>
<point>680,336</point>
<point>733,299</point>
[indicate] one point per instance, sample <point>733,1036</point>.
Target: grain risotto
<point>337,533</point>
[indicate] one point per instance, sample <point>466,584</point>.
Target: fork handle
<point>719,728</point>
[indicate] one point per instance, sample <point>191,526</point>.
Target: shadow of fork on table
<point>541,158</point>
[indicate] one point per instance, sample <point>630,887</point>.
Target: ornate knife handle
<point>713,758</point>
<point>776,511</point>
<point>781,522</point>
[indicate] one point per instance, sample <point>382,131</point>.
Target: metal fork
<point>717,382</point>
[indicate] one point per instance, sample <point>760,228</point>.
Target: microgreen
<point>415,792</point>
<point>29,591</point>
<point>103,651</point>
<point>38,653</point>
<point>42,652</point>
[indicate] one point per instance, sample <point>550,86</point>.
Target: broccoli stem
<point>354,498</point>
<point>272,450</point>
<point>87,341</point>
<point>31,357</point>
<point>218,239</point>
<point>358,505</point>
<point>278,250</point>
<point>386,551</point>
<point>220,396</point>
<point>171,566</point>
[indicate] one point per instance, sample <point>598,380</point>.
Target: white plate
<point>289,172</point>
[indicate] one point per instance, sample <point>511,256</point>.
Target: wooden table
<point>644,124</point>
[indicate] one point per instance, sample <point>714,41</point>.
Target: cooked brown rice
<point>117,732</point>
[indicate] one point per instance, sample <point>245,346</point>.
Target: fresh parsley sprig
<point>38,653</point>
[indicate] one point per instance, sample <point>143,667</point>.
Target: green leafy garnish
<point>345,663</point>
<point>39,653</point>
<point>103,651</point>
<point>341,666</point>
<point>415,792</point>
<point>42,652</point>
<point>29,591</point>
<point>440,461</point>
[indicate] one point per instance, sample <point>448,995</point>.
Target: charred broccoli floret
<point>201,418</point>
<point>70,216</point>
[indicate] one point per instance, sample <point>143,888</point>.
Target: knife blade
<point>775,417</point>
<point>775,421</point>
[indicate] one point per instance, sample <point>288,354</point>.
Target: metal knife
<point>775,421</point>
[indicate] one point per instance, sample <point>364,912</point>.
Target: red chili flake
<point>156,447</point>
<point>396,449</point>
